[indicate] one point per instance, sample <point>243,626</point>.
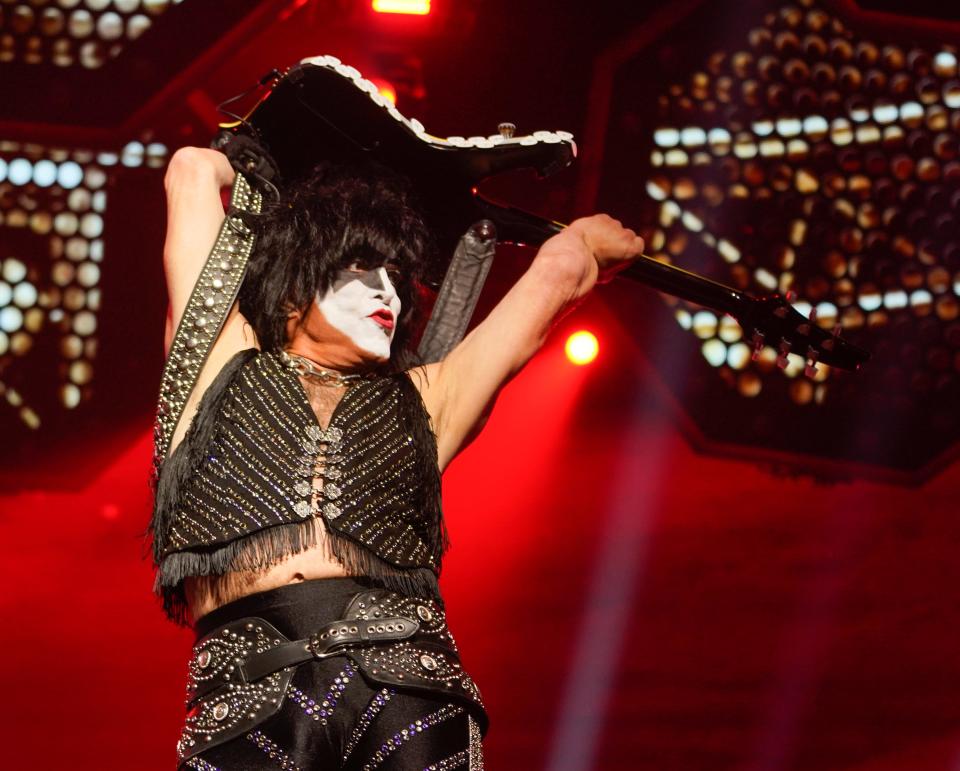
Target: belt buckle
<point>333,639</point>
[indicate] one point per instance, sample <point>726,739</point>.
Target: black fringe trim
<point>414,414</point>
<point>264,548</point>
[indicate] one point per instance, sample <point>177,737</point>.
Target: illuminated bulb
<point>413,7</point>
<point>582,347</point>
<point>11,319</point>
<point>69,175</point>
<point>14,270</point>
<point>666,137</point>
<point>45,173</point>
<point>19,171</point>
<point>715,352</point>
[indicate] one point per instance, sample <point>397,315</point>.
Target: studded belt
<point>329,642</point>
<point>239,673</point>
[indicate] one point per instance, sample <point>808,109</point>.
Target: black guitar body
<point>321,110</point>
<point>315,113</point>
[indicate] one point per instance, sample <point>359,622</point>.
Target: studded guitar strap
<point>210,301</point>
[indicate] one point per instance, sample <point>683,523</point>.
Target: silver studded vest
<point>243,489</point>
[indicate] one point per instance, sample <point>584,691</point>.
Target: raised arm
<point>195,212</point>
<point>460,391</point>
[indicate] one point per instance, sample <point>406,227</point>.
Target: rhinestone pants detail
<point>331,717</point>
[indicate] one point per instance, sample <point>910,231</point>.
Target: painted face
<point>364,306</point>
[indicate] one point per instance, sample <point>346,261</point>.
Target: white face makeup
<point>364,306</point>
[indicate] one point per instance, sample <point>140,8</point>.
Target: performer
<point>297,520</point>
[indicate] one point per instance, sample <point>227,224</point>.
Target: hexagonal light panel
<point>53,205</point>
<point>803,153</point>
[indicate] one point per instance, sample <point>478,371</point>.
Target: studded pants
<point>332,717</point>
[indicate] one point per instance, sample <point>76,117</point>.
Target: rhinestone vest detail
<point>256,469</point>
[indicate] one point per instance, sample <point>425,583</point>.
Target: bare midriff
<point>208,593</point>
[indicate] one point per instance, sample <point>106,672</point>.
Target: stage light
<point>61,196</point>
<point>715,352</point>
<point>70,175</point>
<point>867,147</point>
<point>582,347</point>
<point>72,35</point>
<point>45,173</point>
<point>385,89</point>
<point>410,7</point>
<point>11,319</point>
<point>19,171</point>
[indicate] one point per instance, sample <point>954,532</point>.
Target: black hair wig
<point>334,217</point>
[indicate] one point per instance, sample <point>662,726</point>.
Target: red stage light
<point>582,347</point>
<point>386,89</point>
<point>413,7</point>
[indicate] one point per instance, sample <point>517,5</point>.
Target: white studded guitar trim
<point>351,73</point>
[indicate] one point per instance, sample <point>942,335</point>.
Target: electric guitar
<point>322,109</point>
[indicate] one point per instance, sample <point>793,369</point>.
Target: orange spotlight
<point>582,347</point>
<point>386,89</point>
<point>413,7</point>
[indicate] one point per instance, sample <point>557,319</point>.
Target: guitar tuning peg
<point>831,341</point>
<point>784,349</point>
<point>811,369</point>
<point>756,341</point>
<point>804,329</point>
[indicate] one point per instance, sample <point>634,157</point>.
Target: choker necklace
<point>306,368</point>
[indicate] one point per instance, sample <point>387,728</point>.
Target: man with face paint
<point>360,309</point>
<point>297,521</point>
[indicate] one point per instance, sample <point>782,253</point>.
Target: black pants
<point>331,717</point>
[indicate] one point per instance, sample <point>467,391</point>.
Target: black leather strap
<point>459,292</point>
<point>262,664</point>
<point>331,639</point>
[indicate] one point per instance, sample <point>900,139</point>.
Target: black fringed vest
<point>240,492</point>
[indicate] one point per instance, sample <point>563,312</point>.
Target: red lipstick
<point>383,317</point>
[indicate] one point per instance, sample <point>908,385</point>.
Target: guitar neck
<point>521,227</point>
<point>686,285</point>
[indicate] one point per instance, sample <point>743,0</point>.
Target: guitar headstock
<point>775,322</point>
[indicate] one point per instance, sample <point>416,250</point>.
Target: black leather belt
<point>329,641</point>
